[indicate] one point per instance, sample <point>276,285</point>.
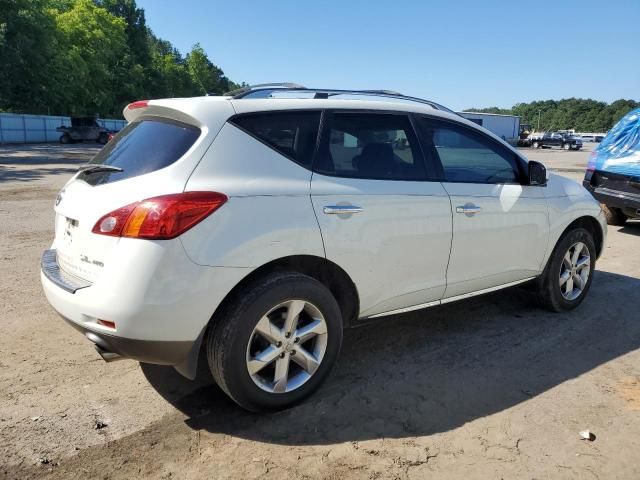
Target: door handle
<point>468,209</point>
<point>341,209</point>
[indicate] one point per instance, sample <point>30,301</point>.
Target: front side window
<point>377,146</point>
<point>467,156</point>
<point>292,133</point>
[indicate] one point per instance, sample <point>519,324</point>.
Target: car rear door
<point>383,218</point>
<point>500,225</point>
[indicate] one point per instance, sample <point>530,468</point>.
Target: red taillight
<point>107,323</point>
<point>160,218</point>
<point>138,104</point>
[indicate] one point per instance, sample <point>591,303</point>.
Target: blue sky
<point>459,53</point>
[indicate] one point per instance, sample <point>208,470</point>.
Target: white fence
<point>18,128</point>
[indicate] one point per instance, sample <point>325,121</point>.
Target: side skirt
<point>447,300</point>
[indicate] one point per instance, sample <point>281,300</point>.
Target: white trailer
<point>506,127</point>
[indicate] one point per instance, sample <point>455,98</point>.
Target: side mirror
<point>537,174</point>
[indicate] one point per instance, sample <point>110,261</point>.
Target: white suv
<point>256,226</point>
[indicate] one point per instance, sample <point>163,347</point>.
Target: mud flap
<point>189,367</point>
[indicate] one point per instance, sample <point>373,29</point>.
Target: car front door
<point>500,224</point>
<point>382,219</point>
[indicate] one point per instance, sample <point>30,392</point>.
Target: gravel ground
<point>487,388</point>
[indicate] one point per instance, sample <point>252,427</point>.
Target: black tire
<point>535,145</point>
<point>566,146</point>
<point>548,284</point>
<point>65,139</point>
<point>232,328</point>
<point>103,139</point>
<point>615,216</point>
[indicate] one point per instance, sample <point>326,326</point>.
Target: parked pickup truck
<point>555,139</point>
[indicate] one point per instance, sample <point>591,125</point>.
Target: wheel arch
<point>325,271</point>
<point>590,224</point>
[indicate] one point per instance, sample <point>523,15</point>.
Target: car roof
<point>195,107</point>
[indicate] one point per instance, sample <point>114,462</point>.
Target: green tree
<point>168,76</point>
<point>133,69</point>
<point>583,115</point>
<point>135,27</point>
<point>206,77</point>
<point>30,74</point>
<point>94,41</point>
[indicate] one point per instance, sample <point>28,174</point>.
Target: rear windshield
<point>142,147</point>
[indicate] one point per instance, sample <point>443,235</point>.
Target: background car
<point>613,173</point>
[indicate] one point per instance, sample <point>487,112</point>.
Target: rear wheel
<point>65,139</point>
<point>103,138</point>
<point>535,145</point>
<point>276,342</point>
<point>567,146</point>
<point>615,216</point>
<point>568,274</point>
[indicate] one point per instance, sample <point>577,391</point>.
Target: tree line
<point>82,57</point>
<point>582,115</point>
<point>79,57</point>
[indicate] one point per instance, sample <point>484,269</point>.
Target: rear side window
<point>378,146</point>
<point>293,134</point>
<point>142,147</point>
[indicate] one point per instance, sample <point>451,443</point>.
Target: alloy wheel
<point>287,346</point>
<point>575,271</point>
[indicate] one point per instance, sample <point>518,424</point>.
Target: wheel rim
<point>287,346</point>
<point>575,271</point>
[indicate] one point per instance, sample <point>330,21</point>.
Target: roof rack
<point>237,93</point>
<point>266,90</point>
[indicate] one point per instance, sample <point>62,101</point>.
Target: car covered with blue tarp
<point>613,172</point>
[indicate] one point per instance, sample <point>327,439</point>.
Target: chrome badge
<point>59,197</point>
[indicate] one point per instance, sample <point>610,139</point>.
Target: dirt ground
<point>492,387</point>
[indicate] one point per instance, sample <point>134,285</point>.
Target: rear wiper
<point>96,167</point>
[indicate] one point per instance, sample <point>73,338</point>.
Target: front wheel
<point>569,272</point>
<point>275,342</point>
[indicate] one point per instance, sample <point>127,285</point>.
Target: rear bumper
<point>66,304</point>
<point>147,351</point>
<point>159,300</point>
<point>627,201</point>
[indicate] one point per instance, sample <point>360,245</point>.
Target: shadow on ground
<point>432,370</point>
<point>631,227</point>
<point>29,174</point>
<point>24,163</point>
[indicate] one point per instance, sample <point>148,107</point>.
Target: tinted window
<point>371,145</point>
<point>293,134</point>
<point>142,147</point>
<point>468,156</point>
